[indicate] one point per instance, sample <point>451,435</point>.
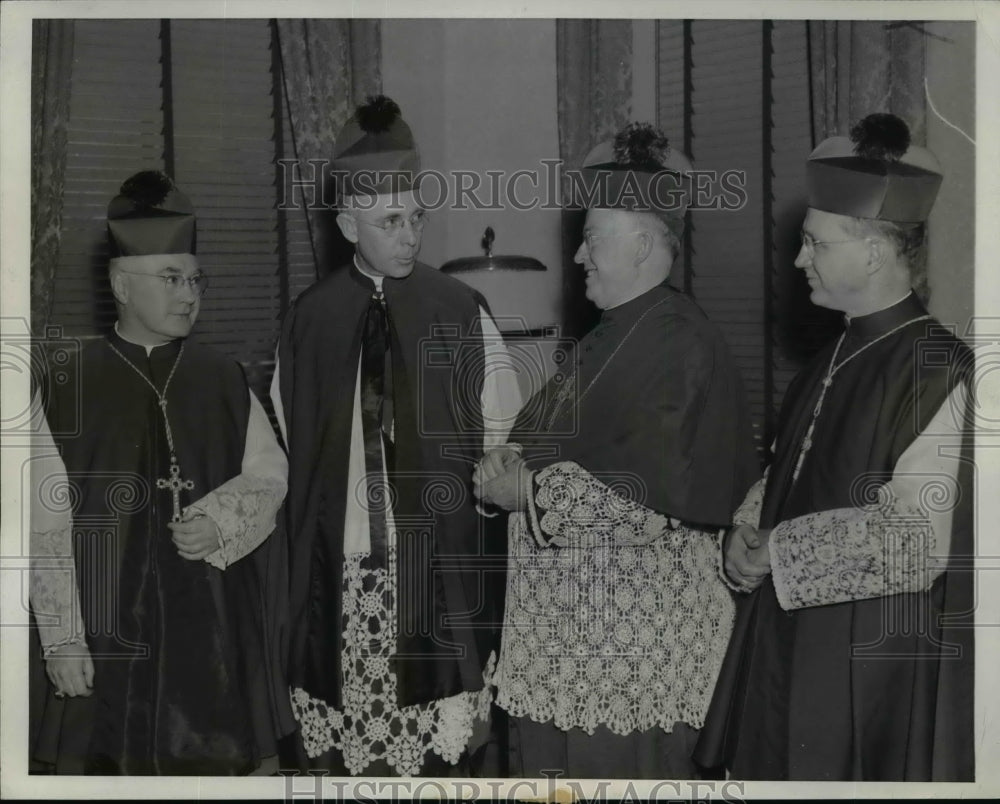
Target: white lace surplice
<point>371,726</point>
<point>627,630</point>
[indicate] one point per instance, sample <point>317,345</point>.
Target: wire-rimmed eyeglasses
<point>393,224</point>
<point>809,244</point>
<point>590,237</point>
<point>197,284</point>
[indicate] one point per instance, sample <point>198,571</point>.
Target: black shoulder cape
<point>437,367</point>
<point>658,406</point>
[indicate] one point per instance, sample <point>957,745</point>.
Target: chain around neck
<point>161,397</point>
<point>570,384</point>
<point>832,369</point>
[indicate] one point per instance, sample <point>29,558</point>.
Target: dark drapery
<point>51,66</point>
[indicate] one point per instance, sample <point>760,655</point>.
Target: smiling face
<point>380,251</point>
<point>608,254</point>
<point>836,262</point>
<point>151,311</point>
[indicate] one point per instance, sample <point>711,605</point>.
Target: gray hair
<point>659,227</point>
<point>908,240</point>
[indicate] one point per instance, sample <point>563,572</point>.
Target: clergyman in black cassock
<point>157,593</point>
<point>851,657</point>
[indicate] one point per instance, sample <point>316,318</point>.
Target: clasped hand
<point>747,556</point>
<point>196,537</point>
<point>502,479</point>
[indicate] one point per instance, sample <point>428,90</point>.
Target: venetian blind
<point>736,92</point>
<point>115,129</point>
<point>195,98</point>
<point>224,152</point>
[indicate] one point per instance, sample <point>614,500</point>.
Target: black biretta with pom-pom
<point>375,153</point>
<point>880,136</point>
<point>378,114</point>
<point>876,173</point>
<point>150,216</point>
<point>637,171</point>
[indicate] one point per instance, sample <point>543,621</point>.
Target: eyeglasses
<point>590,238</point>
<point>393,225</point>
<point>810,245</point>
<point>197,284</point>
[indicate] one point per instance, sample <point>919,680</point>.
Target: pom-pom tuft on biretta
<point>641,146</point>
<point>148,188</point>
<point>880,136</point>
<point>378,114</point>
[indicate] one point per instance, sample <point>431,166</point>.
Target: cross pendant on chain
<point>175,484</point>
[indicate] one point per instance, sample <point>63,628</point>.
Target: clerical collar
<point>145,346</point>
<point>885,319</point>
<point>634,308</point>
<point>375,279</point>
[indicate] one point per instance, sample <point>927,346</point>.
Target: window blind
<point>215,79</point>
<point>224,152</point>
<point>737,92</point>
<point>115,129</point>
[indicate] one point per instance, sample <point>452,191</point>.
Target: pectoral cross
<point>175,484</point>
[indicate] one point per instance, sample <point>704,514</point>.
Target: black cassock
<point>854,690</point>
<point>186,668</point>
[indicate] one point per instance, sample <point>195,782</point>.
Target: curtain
<point>51,66</point>
<point>857,68</point>
<point>594,87</point>
<point>328,68</point>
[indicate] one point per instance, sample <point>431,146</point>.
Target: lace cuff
<point>749,511</point>
<point>52,590</point>
<point>244,509</point>
<point>578,510</point>
<point>849,554</point>
<point>531,522</point>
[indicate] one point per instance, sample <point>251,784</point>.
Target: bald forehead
<point>185,264</point>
